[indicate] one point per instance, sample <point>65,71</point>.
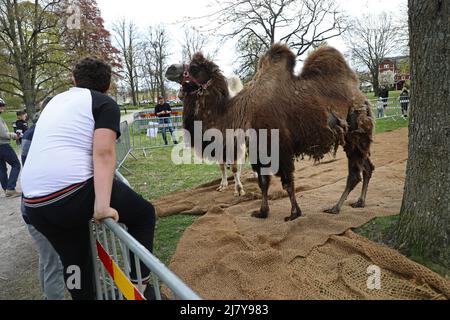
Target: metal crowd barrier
<point>111,247</point>
<point>148,133</point>
<point>124,148</point>
<point>393,109</point>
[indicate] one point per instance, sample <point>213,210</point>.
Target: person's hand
<point>102,214</point>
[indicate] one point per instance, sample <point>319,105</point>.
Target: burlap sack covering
<point>226,254</point>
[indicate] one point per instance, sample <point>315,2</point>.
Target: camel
<point>315,112</point>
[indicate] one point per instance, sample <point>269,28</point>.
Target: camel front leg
<point>224,184</point>
<point>239,188</point>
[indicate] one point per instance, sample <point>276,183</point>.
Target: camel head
<point>278,58</point>
<point>195,76</point>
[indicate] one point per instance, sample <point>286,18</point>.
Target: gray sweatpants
<point>50,267</point>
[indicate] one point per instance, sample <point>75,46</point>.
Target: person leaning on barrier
<point>164,112</point>
<point>51,274</point>
<point>8,156</point>
<point>68,178</point>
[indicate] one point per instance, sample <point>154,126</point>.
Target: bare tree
<point>30,34</point>
<point>424,227</point>
<point>257,24</point>
<point>127,39</point>
<point>148,72</point>
<point>156,45</point>
<point>195,41</point>
<point>371,39</point>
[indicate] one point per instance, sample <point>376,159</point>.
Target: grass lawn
<point>392,95</point>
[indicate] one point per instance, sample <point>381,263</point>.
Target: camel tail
<point>326,63</point>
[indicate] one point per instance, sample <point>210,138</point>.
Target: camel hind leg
<point>287,179</point>
<point>368,169</point>
<point>355,167</point>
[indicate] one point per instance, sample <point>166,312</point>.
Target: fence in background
<point>392,108</point>
<point>143,135</point>
<point>112,248</point>
<point>148,133</point>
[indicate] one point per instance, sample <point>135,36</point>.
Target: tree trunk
<point>424,227</point>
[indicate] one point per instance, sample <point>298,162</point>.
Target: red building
<point>392,64</point>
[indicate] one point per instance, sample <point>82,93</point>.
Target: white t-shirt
<point>61,154</point>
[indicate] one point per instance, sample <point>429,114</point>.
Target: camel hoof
<point>292,218</point>
<point>333,211</point>
<point>222,188</point>
<point>260,215</point>
<point>359,204</point>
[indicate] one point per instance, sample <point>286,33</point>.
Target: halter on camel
<point>187,78</point>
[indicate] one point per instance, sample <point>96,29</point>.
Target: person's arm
<point>107,130</point>
<point>158,111</point>
<point>4,132</point>
<point>104,169</point>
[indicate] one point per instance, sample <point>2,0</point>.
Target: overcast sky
<point>150,12</point>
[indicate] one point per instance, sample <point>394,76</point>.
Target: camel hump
<point>326,62</point>
<point>281,51</point>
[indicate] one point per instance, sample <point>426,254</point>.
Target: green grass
<point>9,117</point>
<point>156,176</point>
<point>388,125</point>
<point>392,94</point>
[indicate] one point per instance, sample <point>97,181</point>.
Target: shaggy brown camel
<point>314,112</point>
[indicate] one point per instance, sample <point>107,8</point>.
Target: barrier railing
<point>113,249</point>
<point>124,148</point>
<point>393,108</point>
<point>149,133</point>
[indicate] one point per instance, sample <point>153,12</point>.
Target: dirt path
<point>18,257</point>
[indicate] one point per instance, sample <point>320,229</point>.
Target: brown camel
<point>314,112</point>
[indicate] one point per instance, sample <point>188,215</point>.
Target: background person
<point>51,273</point>
<point>8,156</point>
<point>404,102</point>
<point>164,113</point>
<point>384,94</point>
<point>380,108</point>
<point>68,178</point>
<point>20,126</point>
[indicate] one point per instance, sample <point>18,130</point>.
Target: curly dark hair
<point>92,73</point>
